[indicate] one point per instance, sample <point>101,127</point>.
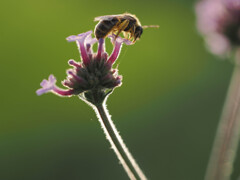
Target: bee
<point>115,24</point>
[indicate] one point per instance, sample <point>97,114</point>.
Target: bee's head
<point>138,33</point>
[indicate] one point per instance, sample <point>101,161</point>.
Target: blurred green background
<point>167,109</point>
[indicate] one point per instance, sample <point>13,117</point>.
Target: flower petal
<point>90,40</point>
<point>218,44</point>
<point>74,63</point>
<point>117,48</point>
<point>101,48</point>
<point>47,85</point>
<point>50,86</point>
<point>120,40</point>
<point>80,39</point>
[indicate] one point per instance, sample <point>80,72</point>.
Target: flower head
<point>93,75</point>
<point>219,22</point>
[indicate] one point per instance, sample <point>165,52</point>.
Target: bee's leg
<point>133,31</point>
<point>114,32</point>
<point>131,34</point>
<point>126,35</point>
<point>122,26</point>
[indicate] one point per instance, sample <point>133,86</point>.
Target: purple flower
<point>233,5</point>
<point>94,74</point>
<point>50,86</point>
<point>219,22</point>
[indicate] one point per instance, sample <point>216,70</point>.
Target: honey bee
<point>115,24</point>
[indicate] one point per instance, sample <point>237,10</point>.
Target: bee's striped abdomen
<point>104,27</point>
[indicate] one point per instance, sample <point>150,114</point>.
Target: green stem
<point>126,159</point>
<point>226,141</point>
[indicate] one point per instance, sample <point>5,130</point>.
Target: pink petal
<point>47,85</point>
<point>80,39</point>
<point>101,48</point>
<point>50,86</point>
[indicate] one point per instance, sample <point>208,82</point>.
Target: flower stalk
<point>225,146</point>
<point>121,150</point>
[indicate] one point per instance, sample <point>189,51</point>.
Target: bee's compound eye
<point>139,31</point>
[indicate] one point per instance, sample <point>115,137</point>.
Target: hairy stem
<point>129,164</point>
<point>226,141</point>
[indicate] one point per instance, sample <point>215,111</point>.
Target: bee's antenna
<point>150,26</point>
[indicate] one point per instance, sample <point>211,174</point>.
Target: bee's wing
<point>108,17</point>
